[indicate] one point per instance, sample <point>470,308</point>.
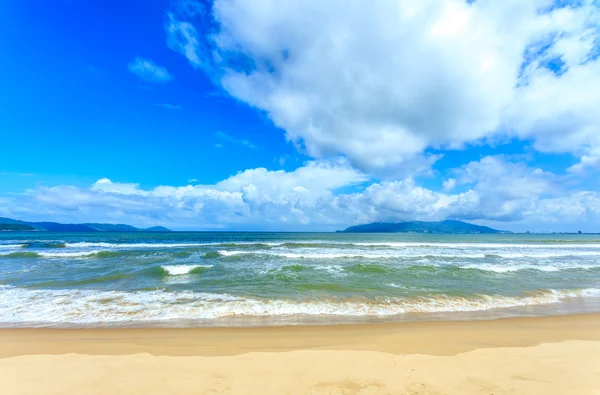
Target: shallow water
<point>200,278</point>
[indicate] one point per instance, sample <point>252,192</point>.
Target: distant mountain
<point>157,229</point>
<point>15,227</point>
<point>125,228</point>
<point>57,227</point>
<point>447,226</point>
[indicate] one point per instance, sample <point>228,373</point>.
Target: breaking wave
<point>178,270</point>
<point>19,305</point>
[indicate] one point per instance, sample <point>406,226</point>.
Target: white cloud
<point>449,184</point>
<point>182,37</point>
<point>581,209</point>
<point>380,82</point>
<point>315,197</point>
<point>149,71</point>
<point>500,190</point>
<point>590,159</point>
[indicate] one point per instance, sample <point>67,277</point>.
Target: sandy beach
<point>544,355</point>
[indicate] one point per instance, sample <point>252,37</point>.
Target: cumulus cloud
<point>581,209</point>
<point>149,71</point>
<point>315,197</point>
<point>449,184</point>
<point>500,190</point>
<point>381,82</point>
<point>590,159</point>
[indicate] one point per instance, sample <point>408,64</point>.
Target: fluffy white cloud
<point>315,197</point>
<point>449,184</point>
<point>380,82</point>
<point>590,159</point>
<point>149,71</point>
<point>579,209</point>
<point>499,190</point>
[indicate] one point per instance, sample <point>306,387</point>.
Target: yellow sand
<point>552,355</point>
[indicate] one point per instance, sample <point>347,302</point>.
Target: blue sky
<point>71,103</point>
<point>260,115</point>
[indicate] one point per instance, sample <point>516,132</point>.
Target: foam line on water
<point>478,245</point>
<point>318,243</point>
<point>178,270</point>
<point>11,246</point>
<point>69,254</point>
<point>404,254</point>
<point>513,268</point>
<point>132,245</point>
<point>350,254</point>
<point>19,306</point>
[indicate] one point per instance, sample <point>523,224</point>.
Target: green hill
<point>16,227</point>
<point>442,227</point>
<point>125,228</point>
<point>8,223</point>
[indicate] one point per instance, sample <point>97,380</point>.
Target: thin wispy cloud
<point>183,37</point>
<point>9,173</point>
<point>168,106</point>
<point>149,71</point>
<point>231,139</point>
<point>214,94</point>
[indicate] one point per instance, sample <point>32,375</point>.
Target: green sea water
<point>200,278</point>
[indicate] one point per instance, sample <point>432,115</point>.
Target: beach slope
<point>550,355</point>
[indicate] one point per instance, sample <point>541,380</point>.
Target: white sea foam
<point>394,285</point>
<point>79,254</point>
<point>38,307</point>
<point>327,254</point>
<point>334,270</point>
<point>132,245</point>
<point>559,254</point>
<point>510,268</point>
<point>478,245</point>
<point>557,266</point>
<point>591,245</point>
<point>11,246</point>
<point>166,245</point>
<point>178,270</point>
<point>305,253</point>
<point>346,254</point>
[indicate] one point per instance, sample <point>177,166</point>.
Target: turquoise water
<point>230,278</point>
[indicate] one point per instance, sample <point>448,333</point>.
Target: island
<point>439,227</point>
<point>8,224</point>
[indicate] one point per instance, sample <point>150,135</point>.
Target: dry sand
<point>549,355</point>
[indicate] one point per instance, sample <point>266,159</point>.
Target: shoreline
<point>566,306</point>
<point>541,355</point>
<point>414,337</point>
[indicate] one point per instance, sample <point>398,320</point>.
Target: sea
<point>192,279</point>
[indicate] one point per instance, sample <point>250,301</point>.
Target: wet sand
<point>545,355</point>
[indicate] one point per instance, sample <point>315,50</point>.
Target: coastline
<point>299,314</point>
<point>566,306</point>
<point>414,337</point>
<point>551,355</point>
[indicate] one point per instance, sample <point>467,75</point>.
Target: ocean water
<point>199,279</point>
